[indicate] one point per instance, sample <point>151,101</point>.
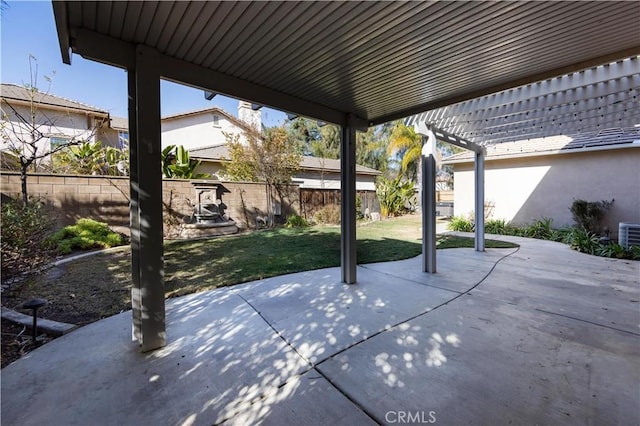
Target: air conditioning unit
<point>628,234</point>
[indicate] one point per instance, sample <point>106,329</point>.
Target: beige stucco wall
<point>525,189</point>
<point>198,130</point>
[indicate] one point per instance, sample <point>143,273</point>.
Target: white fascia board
<point>544,153</point>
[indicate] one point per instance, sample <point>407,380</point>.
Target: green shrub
<point>582,241</point>
<point>295,221</point>
<point>634,252</point>
<point>612,250</point>
<point>86,234</point>
<point>540,229</point>
<point>461,224</point>
<point>359,214</point>
<point>396,196</point>
<point>589,214</point>
<point>25,230</point>
<point>328,215</point>
<point>559,235</point>
<point>497,226</point>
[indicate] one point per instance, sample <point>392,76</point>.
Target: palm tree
<point>407,144</point>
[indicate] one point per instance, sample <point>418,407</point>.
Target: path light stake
<point>34,304</point>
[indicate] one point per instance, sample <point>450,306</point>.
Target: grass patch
<point>85,291</point>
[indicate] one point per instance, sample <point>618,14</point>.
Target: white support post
<point>479,199</point>
<point>348,203</point>
<point>146,187</point>
<point>428,213</point>
<point>428,196</point>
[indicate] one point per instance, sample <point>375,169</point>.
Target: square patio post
<point>146,210</point>
<point>134,219</point>
<point>479,198</point>
<point>428,199</point>
<point>348,204</point>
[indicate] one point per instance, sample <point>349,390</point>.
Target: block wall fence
<point>106,198</point>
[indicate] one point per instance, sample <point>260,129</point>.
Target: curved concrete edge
<point>87,254</point>
<point>52,328</point>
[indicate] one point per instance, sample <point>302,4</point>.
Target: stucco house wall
<point>314,173</point>
<point>51,123</point>
<point>314,179</point>
<point>524,189</point>
<point>59,120</point>
<point>200,128</point>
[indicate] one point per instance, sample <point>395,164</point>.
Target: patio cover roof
<point>376,60</point>
<point>350,63</point>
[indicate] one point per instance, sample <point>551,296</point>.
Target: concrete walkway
<point>539,335</point>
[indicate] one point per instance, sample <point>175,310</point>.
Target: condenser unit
<point>628,234</point>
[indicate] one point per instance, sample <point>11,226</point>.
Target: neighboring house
<point>314,172</point>
<point>532,179</point>
<point>208,127</point>
<point>56,120</point>
<point>204,133</point>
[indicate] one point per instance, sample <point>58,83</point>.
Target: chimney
<point>250,117</point>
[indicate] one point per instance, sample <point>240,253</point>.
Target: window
<point>123,139</point>
<point>56,141</point>
<point>216,121</point>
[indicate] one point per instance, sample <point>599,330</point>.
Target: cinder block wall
<point>106,198</point>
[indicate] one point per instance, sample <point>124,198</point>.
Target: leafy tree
<point>303,133</point>
<point>270,158</point>
<point>25,131</point>
<point>406,144</point>
<point>324,142</point>
<point>176,163</point>
<point>371,148</point>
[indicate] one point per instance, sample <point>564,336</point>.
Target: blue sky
<point>28,28</point>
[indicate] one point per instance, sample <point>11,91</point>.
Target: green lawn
<point>95,287</point>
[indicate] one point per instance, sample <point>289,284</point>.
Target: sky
<point>28,28</point>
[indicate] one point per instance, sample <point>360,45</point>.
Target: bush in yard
<point>582,241</point>
<point>496,226</point>
<point>25,229</point>
<point>612,250</point>
<point>295,221</point>
<point>86,234</point>
<point>359,214</point>
<point>396,196</point>
<point>540,229</point>
<point>461,224</point>
<point>589,214</point>
<point>328,215</point>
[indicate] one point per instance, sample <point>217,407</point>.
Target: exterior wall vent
<point>628,234</point>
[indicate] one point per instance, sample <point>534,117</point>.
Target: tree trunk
<point>23,183</point>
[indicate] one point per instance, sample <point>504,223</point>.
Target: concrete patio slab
<point>539,335</point>
<point>480,361</point>
<point>322,316</point>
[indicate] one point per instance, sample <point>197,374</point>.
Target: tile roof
<point>119,123</point>
<point>221,153</point>
<point>605,139</point>
<point>20,93</point>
